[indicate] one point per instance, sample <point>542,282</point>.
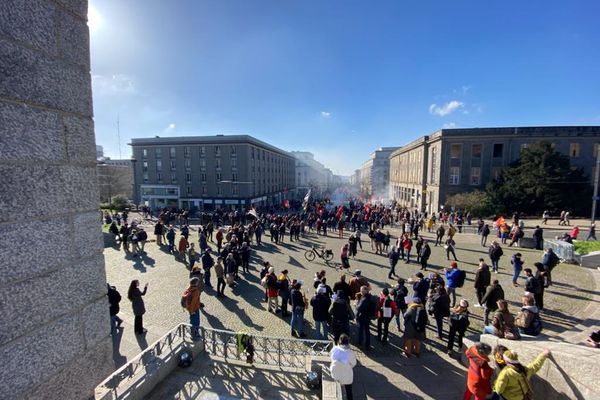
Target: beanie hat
<point>510,357</point>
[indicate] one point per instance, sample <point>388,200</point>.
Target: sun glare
<point>95,20</point>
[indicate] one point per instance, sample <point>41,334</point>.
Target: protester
<point>421,286</point>
<point>386,310</point>
<point>480,372</point>
<point>495,252</point>
<point>343,361</point>
<point>485,231</point>
<point>191,301</point>
<point>220,273</point>
<point>343,286</point>
<point>356,283</point>
<point>320,310</point>
<point>450,246</point>
<point>114,298</point>
<point>490,299</point>
<point>298,307</point>
<point>482,281</point>
<point>270,281</point>
<point>364,309</point>
<point>459,322</point>
<point>455,277</point>
<point>503,324</point>
<point>517,264</point>
<point>549,261</point>
<point>283,287</point>
<point>528,320</point>
<point>439,308</point>
<point>393,257</point>
<point>415,323</point>
<point>424,255</point>
<point>513,381</point>
<point>341,314</point>
<point>134,294</point>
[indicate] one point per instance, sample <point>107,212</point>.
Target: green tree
<point>119,202</point>
<point>541,179</point>
<point>477,203</point>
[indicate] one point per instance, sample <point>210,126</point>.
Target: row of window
<point>255,153</point>
<point>498,150</point>
<point>188,177</point>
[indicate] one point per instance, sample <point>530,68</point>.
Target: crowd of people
<point>348,309</point>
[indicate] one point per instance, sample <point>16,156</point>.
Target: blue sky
<point>339,78</point>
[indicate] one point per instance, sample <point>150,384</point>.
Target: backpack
<point>420,320</point>
<point>536,326</point>
<point>461,279</point>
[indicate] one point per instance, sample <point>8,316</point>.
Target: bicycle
<point>326,254</point>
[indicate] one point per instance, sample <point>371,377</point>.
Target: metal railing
<point>565,251</point>
<point>268,350</point>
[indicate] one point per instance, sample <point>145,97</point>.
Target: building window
<point>217,151</point>
<point>234,177</point>
<point>144,153</point>
<point>233,151</point>
<point>455,150</point>
<point>172,152</point>
<point>173,177</point>
<point>159,176</point>
<point>159,165</point>
<point>202,151</point>
<point>189,190</point>
<point>476,150</point>
<point>498,150</point>
<point>454,176</point>
<point>218,163</point>
<point>173,165</point>
<point>203,177</point>
<point>234,189</point>
<point>145,177</point>
<point>219,190</point>
<point>234,163</point>
<point>204,190</point>
<point>218,177</point>
<point>186,151</point>
<point>145,166</point>
<point>574,150</point>
<point>188,164</point>
<point>188,177</point>
<point>158,153</point>
<point>475,176</point>
<point>203,162</point>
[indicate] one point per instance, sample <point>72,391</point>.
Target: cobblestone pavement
<point>243,309</point>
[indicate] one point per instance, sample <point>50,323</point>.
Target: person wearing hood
<point>528,320</point>
<point>513,381</point>
<point>341,313</point>
<point>343,361</point>
<point>480,372</point>
<point>320,309</point>
<point>415,323</point>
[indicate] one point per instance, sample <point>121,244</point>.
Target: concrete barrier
<point>590,260</point>
<point>570,373</point>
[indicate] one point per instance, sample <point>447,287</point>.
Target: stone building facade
<point>115,177</point>
<point>462,160</point>
<point>311,174</point>
<point>375,174</point>
<point>54,335</point>
<point>211,172</point>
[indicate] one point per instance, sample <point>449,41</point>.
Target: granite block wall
<point>54,328</point>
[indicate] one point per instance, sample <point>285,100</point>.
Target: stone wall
<point>54,340</point>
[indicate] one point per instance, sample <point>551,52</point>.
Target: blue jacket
<point>517,262</point>
<point>452,277</point>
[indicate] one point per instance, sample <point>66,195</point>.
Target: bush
<point>477,203</point>
<point>119,202</point>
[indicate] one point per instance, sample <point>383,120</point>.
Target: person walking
<point>424,255</point>
<point>485,231</point>
<point>495,252</point>
<point>343,361</point>
<point>415,323</point>
<point>344,256</point>
<point>298,307</point>
<point>220,273</point>
<point>114,298</point>
<point>517,264</point>
<point>386,310</point>
<point>440,231</point>
<point>592,233</point>
<point>393,257</point>
<point>191,299</point>
<point>513,381</point>
<point>459,322</point>
<point>320,310</point>
<point>450,247</point>
<point>480,373</point>
<point>482,280</point>
<point>439,308</point>
<point>134,294</point>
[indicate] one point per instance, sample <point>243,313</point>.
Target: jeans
<point>392,270</point>
<point>483,240</point>
<point>407,256</point>
<point>195,322</point>
<point>452,334</point>
<point>383,325</point>
<point>495,265</point>
<point>452,295</point>
<point>221,286</point>
<point>489,329</point>
<point>363,332</point>
<point>207,278</point>
<point>297,319</point>
<point>440,326</point>
<point>516,273</point>
<point>321,325</point>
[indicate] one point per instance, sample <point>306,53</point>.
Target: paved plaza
<point>567,305</point>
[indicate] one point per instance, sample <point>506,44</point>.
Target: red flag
<point>286,203</point>
<point>339,212</point>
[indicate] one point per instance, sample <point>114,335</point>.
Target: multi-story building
<point>211,172</point>
<point>461,160</point>
<point>374,174</point>
<point>311,174</point>
<point>114,177</point>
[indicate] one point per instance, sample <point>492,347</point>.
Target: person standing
<point>341,315</point>
<point>421,286</point>
<point>320,309</point>
<point>356,283</point>
<point>134,294</point>
<point>538,237</point>
<point>220,273</point>
<point>480,373</point>
<point>485,231</point>
<point>364,308</point>
<point>399,293</point>
<point>490,299</point>
<point>424,255</point>
<point>272,290</point>
<point>343,361</point>
<point>386,310</point>
<point>482,280</point>
<point>542,278</point>
<point>283,284</point>
<point>495,252</point>
<point>125,232</point>
<point>517,264</point>
<point>393,257</point>
<point>513,381</point>
<point>207,264</point>
<point>549,261</point>
<point>459,322</point>
<point>453,276</point>
<point>344,253</point>
<point>415,323</point>
<point>439,308</point>
<point>171,239</point>
<point>192,304</point>
<point>158,232</point>
<point>114,298</point>
<point>298,307</point>
<point>343,286</point>
<point>182,247</point>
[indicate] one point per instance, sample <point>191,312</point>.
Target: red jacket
<point>382,299</point>
<point>480,373</point>
<point>407,244</point>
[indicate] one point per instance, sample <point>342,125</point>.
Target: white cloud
<point>325,114</point>
<point>170,128</point>
<point>449,125</point>
<point>113,85</point>
<point>445,109</point>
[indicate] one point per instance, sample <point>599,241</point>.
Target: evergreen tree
<point>541,179</point>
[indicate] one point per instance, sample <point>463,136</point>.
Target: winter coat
<point>480,373</point>
<point>410,330</point>
<point>392,304</point>
<point>356,283</point>
<point>511,384</point>
<point>483,278</point>
<point>297,299</point>
<point>320,307</point>
<point>421,287</point>
<point>492,294</point>
<point>137,302</point>
<point>342,362</point>
<point>495,252</point>
<point>343,286</point>
<point>440,305</point>
<point>504,322</point>
<point>525,318</point>
<point>340,312</point>
<point>425,252</point>
<point>452,276</point>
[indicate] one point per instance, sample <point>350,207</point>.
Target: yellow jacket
<point>513,385</point>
